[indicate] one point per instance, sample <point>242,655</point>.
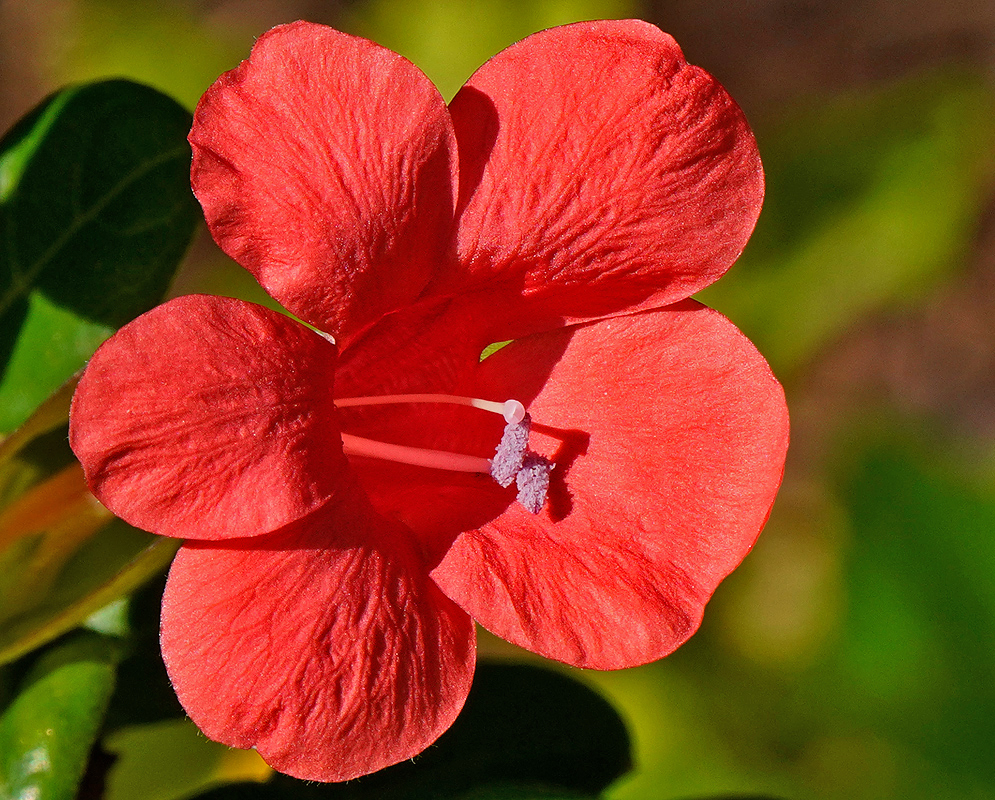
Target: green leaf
<point>171,759</point>
<point>95,215</point>
<point>117,560</point>
<point>62,555</point>
<point>48,729</point>
<point>38,535</point>
<point>870,199</point>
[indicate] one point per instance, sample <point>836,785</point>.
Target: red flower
<point>577,190</point>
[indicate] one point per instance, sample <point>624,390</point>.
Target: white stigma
<point>513,411</point>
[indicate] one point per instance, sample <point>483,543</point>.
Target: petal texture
<point>325,646</point>
<point>325,165</point>
<point>669,434</point>
<point>210,418</point>
<point>598,170</point>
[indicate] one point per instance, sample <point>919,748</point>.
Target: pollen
<point>508,458</point>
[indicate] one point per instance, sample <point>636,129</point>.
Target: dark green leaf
<point>525,724</point>
<point>143,693</point>
<point>521,725</point>
<point>95,214</point>
<point>515,792</point>
<point>247,791</point>
<point>48,729</point>
<point>302,791</point>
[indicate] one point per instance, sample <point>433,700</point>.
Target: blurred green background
<point>853,653</point>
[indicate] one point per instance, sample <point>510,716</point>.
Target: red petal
<point>326,646</point>
<point>669,435</point>
<point>598,171</point>
<point>210,418</point>
<point>325,165</point>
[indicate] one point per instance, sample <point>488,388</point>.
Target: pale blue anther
<point>511,449</point>
<point>533,482</point>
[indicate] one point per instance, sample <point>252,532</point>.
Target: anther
<point>533,482</point>
<point>511,449</point>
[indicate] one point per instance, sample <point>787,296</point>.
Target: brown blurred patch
<point>769,52</point>
<point>22,26</point>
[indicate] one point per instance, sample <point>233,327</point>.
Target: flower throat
<point>513,462</point>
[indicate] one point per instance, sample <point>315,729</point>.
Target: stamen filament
<point>511,410</point>
<point>416,456</point>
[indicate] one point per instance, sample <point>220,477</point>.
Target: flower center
<point>512,461</point>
